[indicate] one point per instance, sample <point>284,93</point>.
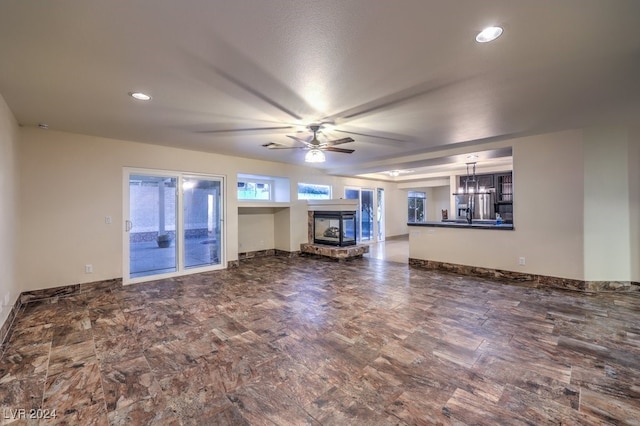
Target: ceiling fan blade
<point>343,150</point>
<point>256,93</point>
<point>273,145</point>
<point>387,102</point>
<point>286,147</point>
<point>247,129</point>
<point>337,142</point>
<point>302,141</point>
<point>370,135</point>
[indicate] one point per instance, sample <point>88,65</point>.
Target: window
<point>417,204</point>
<point>255,190</point>
<point>309,191</point>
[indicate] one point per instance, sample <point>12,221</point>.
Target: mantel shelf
<point>263,204</point>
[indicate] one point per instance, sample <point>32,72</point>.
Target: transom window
<point>310,191</point>
<point>255,190</point>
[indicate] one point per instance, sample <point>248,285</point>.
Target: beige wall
<point>9,286</point>
<point>396,214</point>
<point>607,226</point>
<point>441,200</point>
<point>576,211</point>
<point>548,187</point>
<point>70,182</point>
<point>256,230</point>
<point>634,201</point>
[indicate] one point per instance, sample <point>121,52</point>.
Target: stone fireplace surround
<point>333,252</point>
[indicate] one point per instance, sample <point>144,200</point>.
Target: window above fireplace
<point>257,188</point>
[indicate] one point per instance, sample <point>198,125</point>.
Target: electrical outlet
<point>107,220</point>
<point>521,261</point>
<point>88,268</point>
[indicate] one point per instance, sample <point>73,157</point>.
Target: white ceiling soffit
<point>400,78</point>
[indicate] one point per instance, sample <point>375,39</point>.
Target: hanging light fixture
<point>315,156</point>
<point>471,178</point>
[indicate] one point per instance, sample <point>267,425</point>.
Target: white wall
<point>607,226</point>
<point>548,217</point>
<point>430,213</point>
<point>634,201</point>
<point>396,214</point>
<point>256,230</point>
<point>70,182</point>
<point>9,286</point>
<point>441,200</point>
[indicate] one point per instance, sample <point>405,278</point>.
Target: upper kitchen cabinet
<point>484,181</point>
<point>504,188</point>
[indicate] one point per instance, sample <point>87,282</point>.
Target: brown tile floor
<point>307,341</point>
<point>392,250</point>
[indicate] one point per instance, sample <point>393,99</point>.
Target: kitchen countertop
<point>479,224</point>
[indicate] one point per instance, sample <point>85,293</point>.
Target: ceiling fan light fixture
<point>489,34</point>
<point>315,156</point>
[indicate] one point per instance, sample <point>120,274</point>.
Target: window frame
<point>314,184</point>
<point>411,196</point>
<point>256,182</point>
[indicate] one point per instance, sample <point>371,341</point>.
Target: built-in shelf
<point>263,204</point>
<point>333,205</point>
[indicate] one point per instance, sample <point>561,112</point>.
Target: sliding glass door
<point>380,214</point>
<point>151,225</point>
<point>173,224</point>
<point>365,214</point>
<point>201,199</point>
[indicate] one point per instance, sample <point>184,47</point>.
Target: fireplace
<point>335,228</point>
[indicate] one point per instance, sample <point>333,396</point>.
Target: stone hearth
<point>338,253</point>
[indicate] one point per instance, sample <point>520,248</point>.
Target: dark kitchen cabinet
<point>500,185</point>
<point>504,188</point>
<point>485,181</point>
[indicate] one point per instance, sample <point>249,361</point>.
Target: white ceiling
<point>400,77</point>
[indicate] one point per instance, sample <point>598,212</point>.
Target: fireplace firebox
<point>334,228</point>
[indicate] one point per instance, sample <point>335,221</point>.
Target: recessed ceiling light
<point>488,34</point>
<point>140,96</point>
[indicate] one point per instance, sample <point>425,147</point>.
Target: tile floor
<point>311,341</point>
<point>395,250</point>
<point>146,258</point>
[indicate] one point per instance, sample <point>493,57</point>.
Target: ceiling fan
<point>314,146</point>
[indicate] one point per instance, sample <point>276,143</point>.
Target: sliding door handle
<point>128,225</point>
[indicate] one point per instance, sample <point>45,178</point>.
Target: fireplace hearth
<point>334,228</point>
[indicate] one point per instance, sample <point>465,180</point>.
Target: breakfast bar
<point>476,224</point>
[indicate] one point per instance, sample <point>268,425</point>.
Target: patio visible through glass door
<point>367,218</point>
<point>365,214</point>
<point>152,225</point>
<point>173,224</point>
<point>201,199</point>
